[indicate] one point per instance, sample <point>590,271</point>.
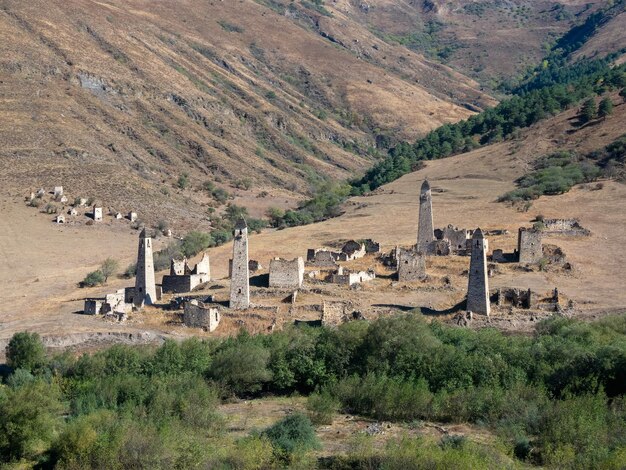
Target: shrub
<point>321,407</point>
<point>183,181</point>
<point>25,351</point>
<point>291,434</point>
<point>242,368</point>
<point>94,278</point>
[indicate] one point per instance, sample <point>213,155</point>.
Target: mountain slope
<point>138,93</point>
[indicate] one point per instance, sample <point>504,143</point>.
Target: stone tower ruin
<point>240,274</point>
<point>145,286</point>
<point>478,284</point>
<point>529,247</point>
<point>425,231</point>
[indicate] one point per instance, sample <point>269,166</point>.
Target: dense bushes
<point>555,399</point>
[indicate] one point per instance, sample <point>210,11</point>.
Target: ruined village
<point>332,285</point>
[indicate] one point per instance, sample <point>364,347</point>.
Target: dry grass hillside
<point>117,99</point>
<point>43,261</point>
<point>490,40</point>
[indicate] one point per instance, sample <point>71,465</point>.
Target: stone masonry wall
<point>286,273</point>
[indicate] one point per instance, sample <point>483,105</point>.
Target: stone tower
<point>425,232</point>
<point>240,275</point>
<point>478,284</point>
<point>145,287</point>
<point>529,247</point>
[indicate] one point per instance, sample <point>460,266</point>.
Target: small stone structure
<point>111,303</point>
<point>478,283</point>
<point>118,216</point>
<point>321,258</point>
<point>348,278</point>
<point>425,232</point>
<point>458,240</point>
<point>352,250</point>
<point>97,213</point>
<point>411,265</point>
<point>41,192</point>
<point>72,211</point>
<point>60,219</point>
<point>240,275</point>
<point>497,256</point>
<point>286,273</point>
<point>58,192</point>
<point>529,246</point>
<point>199,315</point>
<point>184,279</point>
<point>145,287</point>
<point>371,246</point>
<point>132,216</point>
<point>518,298</point>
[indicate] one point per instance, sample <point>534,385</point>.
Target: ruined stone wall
<point>198,315</point>
<point>240,275</point>
<point>564,227</point>
<point>353,250</point>
<point>425,232</point>
<point>411,265</point>
<point>179,267</point>
<point>346,278</point>
<point>335,312</point>
<point>203,266</point>
<point>92,306</point>
<point>321,258</point>
<point>286,273</point>
<point>478,282</point>
<point>529,246</point>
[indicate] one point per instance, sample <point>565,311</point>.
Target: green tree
<point>589,111</point>
<point>194,242</point>
<point>241,367</point>
<point>109,267</point>
<point>25,351</point>
<point>605,108</point>
<point>291,434</point>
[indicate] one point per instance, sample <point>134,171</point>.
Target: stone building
<point>478,283</point>
<point>60,219</point>
<point>132,216</point>
<point>240,273</point>
<point>58,192</point>
<point>346,277</point>
<point>513,297</point>
<point>198,315</point>
<point>425,232</point>
<point>286,273</point>
<point>459,240</point>
<point>145,292</point>
<point>182,278</point>
<point>529,246</point>
<point>411,265</point>
<point>97,213</point>
<point>352,250</point>
<point>321,258</point>
<point>110,303</point>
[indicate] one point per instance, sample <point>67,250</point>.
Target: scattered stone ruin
<point>240,273</point>
<point>529,249</point>
<point>199,315</point>
<point>425,232</point>
<point>346,277</point>
<point>513,297</point>
<point>111,303</point>
<point>478,282</point>
<point>286,273</point>
<point>183,279</point>
<point>336,312</point>
<point>145,292</point>
<point>321,258</point>
<point>411,265</point>
<point>570,227</point>
<point>352,250</point>
<point>452,240</point>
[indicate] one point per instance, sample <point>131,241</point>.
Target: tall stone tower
<point>478,284</point>
<point>145,287</point>
<point>240,275</point>
<point>425,232</point>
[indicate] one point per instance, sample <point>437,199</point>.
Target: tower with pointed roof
<point>145,286</point>
<point>478,283</point>
<point>240,274</point>
<point>425,231</point>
